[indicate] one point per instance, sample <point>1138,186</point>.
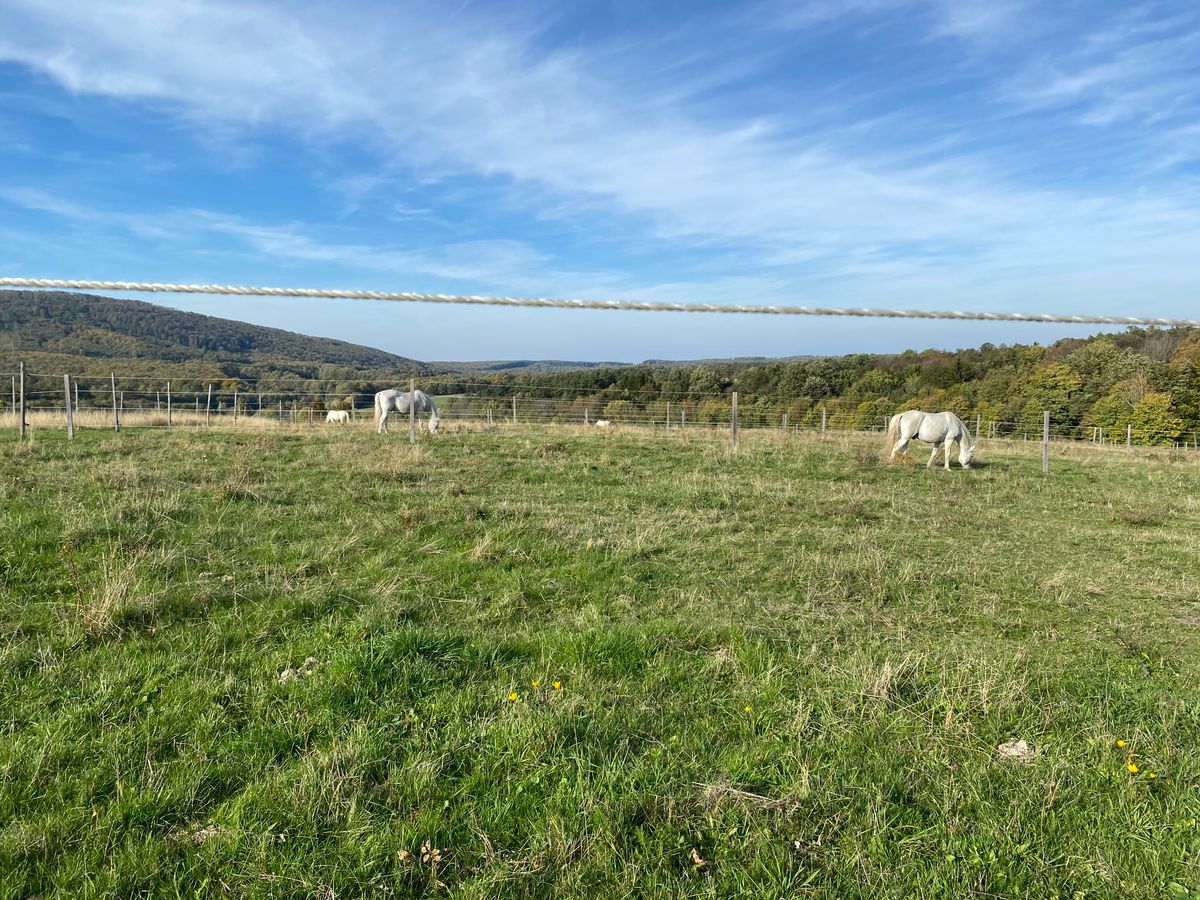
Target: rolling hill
<point>85,334</point>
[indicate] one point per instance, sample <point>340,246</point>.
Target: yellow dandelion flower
<point>1151,775</point>
<point>512,698</point>
<point>558,685</point>
<point>1132,767</point>
<point>534,683</point>
<point>1120,743</point>
<point>745,709</point>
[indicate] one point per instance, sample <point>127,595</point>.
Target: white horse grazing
<point>603,423</point>
<point>340,416</point>
<point>387,402</point>
<point>940,429</point>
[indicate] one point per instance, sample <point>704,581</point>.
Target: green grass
<point>153,586</point>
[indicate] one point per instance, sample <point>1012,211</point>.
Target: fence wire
<point>95,404</point>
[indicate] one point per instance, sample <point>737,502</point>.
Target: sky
<point>996,155</point>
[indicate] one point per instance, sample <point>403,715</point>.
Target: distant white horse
<point>603,423</point>
<point>940,429</point>
<point>387,402</point>
<point>340,416</point>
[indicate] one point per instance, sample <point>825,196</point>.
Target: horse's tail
<point>893,434</point>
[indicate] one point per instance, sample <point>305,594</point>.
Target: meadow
<point>553,662</point>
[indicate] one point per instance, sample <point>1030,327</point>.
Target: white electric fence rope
<point>547,303</point>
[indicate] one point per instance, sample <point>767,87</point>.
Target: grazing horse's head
<point>435,423</point>
<point>966,452</point>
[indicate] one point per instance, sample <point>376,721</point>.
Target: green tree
<point>1154,422</point>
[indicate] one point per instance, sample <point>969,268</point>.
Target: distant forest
<point>1147,380</point>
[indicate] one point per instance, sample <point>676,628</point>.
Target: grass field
<point>593,665</point>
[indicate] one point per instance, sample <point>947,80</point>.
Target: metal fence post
<point>21,405</point>
<point>67,400</point>
<point>734,421</point>
<point>1045,441</point>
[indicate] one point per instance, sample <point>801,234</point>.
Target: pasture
<point>565,662</point>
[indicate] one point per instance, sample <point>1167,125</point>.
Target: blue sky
<point>964,154</point>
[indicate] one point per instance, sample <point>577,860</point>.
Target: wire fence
<point>127,402</point>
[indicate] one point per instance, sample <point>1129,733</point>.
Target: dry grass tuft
<point>104,610</point>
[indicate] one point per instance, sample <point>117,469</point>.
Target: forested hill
<point>85,334</point>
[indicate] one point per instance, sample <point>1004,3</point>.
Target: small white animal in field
<point>387,402</point>
<point>340,416</point>
<point>603,423</point>
<point>940,429</point>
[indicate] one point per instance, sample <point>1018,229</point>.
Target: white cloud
<point>561,134</point>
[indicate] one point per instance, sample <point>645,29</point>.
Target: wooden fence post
<point>168,404</point>
<point>683,418</point>
<point>1129,437</point>
<point>116,412</point>
<point>783,423</point>
<point>514,405</point>
<point>822,421</point>
<point>14,394</point>
<point>208,408</point>
<point>668,415</point>
<point>734,421</point>
<point>235,399</point>
<point>1045,441</point>
<point>67,400</point>
<point>76,386</point>
<point>412,410</point>
<point>21,405</point>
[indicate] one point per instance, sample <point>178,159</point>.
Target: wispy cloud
<point>933,189</point>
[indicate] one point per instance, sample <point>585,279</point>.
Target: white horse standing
<point>387,402</point>
<point>338,416</point>
<point>940,429</point>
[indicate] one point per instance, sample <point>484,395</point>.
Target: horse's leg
<point>932,456</point>
<point>946,447</point>
<point>901,446</point>
<point>383,417</point>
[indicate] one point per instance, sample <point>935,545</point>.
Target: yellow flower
<point>1132,767</point>
<point>1151,775</point>
<point>745,709</point>
<point>1120,743</point>
<point>558,685</point>
<point>534,683</point>
<point>512,698</point>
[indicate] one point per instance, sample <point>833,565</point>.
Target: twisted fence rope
<point>548,303</point>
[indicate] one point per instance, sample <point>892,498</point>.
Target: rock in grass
<point>1016,750</point>
<point>301,673</point>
